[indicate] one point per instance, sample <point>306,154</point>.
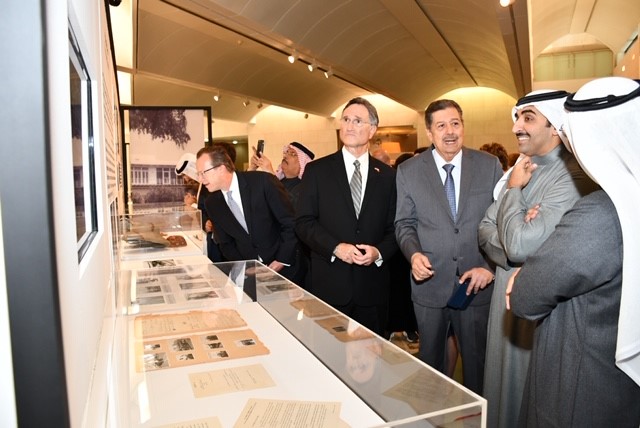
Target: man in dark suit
<point>438,234</point>
<point>345,216</point>
<point>252,213</point>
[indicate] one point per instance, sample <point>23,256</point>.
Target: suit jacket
<point>326,217</point>
<point>424,222</point>
<point>269,217</point>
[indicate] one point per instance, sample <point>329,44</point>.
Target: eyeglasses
<point>357,122</point>
<point>201,174</point>
<point>292,153</point>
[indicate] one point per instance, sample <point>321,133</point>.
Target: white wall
<point>85,288</point>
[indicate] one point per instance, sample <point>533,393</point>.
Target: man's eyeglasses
<point>292,153</point>
<point>202,173</point>
<point>357,122</point>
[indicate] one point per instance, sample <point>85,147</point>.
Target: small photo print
<point>155,361</point>
<point>212,337</point>
<point>145,280</point>
<point>203,295</point>
<point>151,300</point>
<point>182,345</point>
<point>218,355</point>
<point>245,342</point>
<point>184,357</point>
<point>193,285</point>
<point>149,289</point>
<point>215,345</point>
<point>270,277</point>
<point>274,288</point>
<point>161,263</point>
<point>151,347</point>
<point>339,329</point>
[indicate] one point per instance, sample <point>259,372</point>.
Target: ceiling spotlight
<point>505,3</point>
<point>328,73</point>
<point>306,115</point>
<point>312,65</point>
<point>259,105</point>
<point>293,57</point>
<point>216,97</point>
<point>246,102</point>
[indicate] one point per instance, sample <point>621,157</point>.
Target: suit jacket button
<point>455,259</point>
<point>456,230</point>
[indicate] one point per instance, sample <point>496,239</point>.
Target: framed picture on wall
<point>82,143</point>
<point>155,138</point>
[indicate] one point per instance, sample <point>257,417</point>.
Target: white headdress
<point>603,126</point>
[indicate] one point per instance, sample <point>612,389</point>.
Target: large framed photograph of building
<point>154,140</point>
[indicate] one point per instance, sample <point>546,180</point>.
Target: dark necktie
<point>450,189</point>
<point>356,187</point>
<point>237,212</point>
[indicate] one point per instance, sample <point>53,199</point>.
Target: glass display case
<point>237,345</point>
<point>160,235</point>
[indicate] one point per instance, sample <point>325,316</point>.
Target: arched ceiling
<point>411,51</point>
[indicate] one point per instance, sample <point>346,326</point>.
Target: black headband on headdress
<point>181,167</point>
<point>303,148</point>
<point>545,96</point>
<point>600,103</point>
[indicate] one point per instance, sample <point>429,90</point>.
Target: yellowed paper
<point>196,423</point>
<point>190,322</point>
<point>226,381</point>
<point>313,308</point>
<point>185,350</point>
<point>289,414</point>
<point>340,328</point>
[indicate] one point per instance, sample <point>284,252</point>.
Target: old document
<point>290,414</point>
<point>226,381</point>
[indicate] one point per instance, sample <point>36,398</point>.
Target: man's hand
<point>479,278</point>
<point>263,162</point>
<point>367,257</point>
<point>276,266</point>
<point>208,226</point>
<point>421,267</point>
<point>347,252</point>
<point>532,213</point>
<point>521,173</point>
<point>512,278</point>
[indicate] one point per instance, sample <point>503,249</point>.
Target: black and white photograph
<point>155,361</point>
<point>183,344</point>
<point>203,295</point>
<point>150,300</point>
<point>218,355</point>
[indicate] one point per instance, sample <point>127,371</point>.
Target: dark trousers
<point>372,317</point>
<point>470,326</point>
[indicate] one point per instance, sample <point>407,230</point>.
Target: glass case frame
<point>316,354</point>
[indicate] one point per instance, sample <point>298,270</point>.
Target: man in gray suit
<point>548,181</point>
<point>438,233</point>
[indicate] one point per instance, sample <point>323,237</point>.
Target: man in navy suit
<point>252,213</point>
<point>350,232</point>
<point>439,236</point>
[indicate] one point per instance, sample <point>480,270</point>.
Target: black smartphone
<point>459,299</point>
<point>260,148</point>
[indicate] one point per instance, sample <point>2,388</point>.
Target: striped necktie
<point>356,187</point>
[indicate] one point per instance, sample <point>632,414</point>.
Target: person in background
<point>420,150</point>
<point>382,155</point>
<point>252,214</point>
<point>442,195</point>
<point>295,158</point>
<point>581,285</point>
<point>402,318</point>
<point>345,216</point>
<point>498,151</point>
<point>547,179</point>
<point>513,158</point>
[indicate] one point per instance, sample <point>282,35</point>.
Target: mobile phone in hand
<point>260,148</point>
